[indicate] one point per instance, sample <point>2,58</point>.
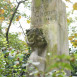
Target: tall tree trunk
<point>50,16</point>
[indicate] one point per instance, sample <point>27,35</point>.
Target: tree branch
<point>22,28</point>
<point>12,20</point>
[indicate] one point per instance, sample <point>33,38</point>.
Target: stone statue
<point>37,42</point>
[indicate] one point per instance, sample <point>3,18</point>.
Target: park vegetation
<point>15,52</point>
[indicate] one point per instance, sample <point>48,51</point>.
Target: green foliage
<point>12,62</point>
<point>59,64</point>
<point>69,21</point>
<point>8,9</point>
<point>73,62</point>
<point>15,42</point>
<point>73,40</point>
<point>3,42</point>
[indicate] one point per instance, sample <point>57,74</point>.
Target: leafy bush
<point>12,62</point>
<point>73,62</point>
<point>3,42</point>
<point>16,43</point>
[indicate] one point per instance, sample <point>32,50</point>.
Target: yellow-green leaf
<point>75,6</point>
<point>28,21</point>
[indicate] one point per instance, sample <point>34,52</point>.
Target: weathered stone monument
<point>37,42</point>
<point>50,16</point>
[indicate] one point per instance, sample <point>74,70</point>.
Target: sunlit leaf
<point>1,11</point>
<point>19,33</point>
<point>75,34</point>
<point>28,21</point>
<point>68,21</point>
<point>66,6</point>
<point>5,7</point>
<point>12,6</point>
<point>68,0</point>
<point>75,6</point>
<point>18,18</point>
<point>70,38</point>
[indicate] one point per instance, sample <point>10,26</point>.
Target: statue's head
<point>35,36</point>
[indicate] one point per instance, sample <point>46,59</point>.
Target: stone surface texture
<point>50,15</point>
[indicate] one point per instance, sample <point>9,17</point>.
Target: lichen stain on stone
<point>37,3</point>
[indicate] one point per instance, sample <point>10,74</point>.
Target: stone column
<point>50,16</point>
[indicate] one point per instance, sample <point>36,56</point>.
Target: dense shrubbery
<point>3,42</point>
<point>13,59</point>
<point>73,62</point>
<point>13,62</point>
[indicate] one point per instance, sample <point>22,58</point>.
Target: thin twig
<point>22,28</point>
